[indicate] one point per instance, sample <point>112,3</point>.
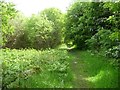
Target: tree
<point>45,29</point>
<point>7,13</point>
<point>85,19</point>
<point>55,16</point>
<point>39,32</point>
<point>19,38</point>
<point>76,23</point>
<point>107,24</point>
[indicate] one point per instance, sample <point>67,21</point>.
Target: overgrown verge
<point>35,69</point>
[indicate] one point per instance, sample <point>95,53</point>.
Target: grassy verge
<point>101,71</point>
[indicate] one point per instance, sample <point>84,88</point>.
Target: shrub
<point>40,33</point>
<point>105,40</point>
<point>113,52</point>
<point>100,40</point>
<point>20,64</point>
<point>19,38</point>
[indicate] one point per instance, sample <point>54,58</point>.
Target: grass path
<point>92,71</point>
<point>79,71</point>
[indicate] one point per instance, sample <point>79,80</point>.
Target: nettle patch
<point>22,64</point>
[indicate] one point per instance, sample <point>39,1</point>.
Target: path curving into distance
<point>79,71</point>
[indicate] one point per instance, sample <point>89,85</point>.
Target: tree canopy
<point>7,13</point>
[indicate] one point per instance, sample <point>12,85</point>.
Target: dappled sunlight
<point>97,77</point>
<point>104,78</point>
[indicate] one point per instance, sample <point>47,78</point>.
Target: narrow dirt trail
<point>79,71</point>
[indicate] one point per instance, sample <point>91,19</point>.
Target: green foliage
<point>83,20</point>
<point>19,38</point>
<point>100,40</point>
<point>22,64</point>
<point>38,31</point>
<point>44,30</point>
<point>86,25</point>
<point>96,20</point>
<point>107,41</point>
<point>113,52</point>
<point>93,25</point>
<point>76,31</point>
<point>55,16</point>
<point>7,13</point>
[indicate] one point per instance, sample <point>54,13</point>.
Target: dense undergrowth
<point>49,68</point>
<point>32,68</point>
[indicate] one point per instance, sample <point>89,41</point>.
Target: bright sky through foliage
<point>29,7</point>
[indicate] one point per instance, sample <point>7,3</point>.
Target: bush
<point>105,40</point>
<point>40,33</point>
<point>100,40</point>
<point>113,52</point>
<point>19,38</point>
